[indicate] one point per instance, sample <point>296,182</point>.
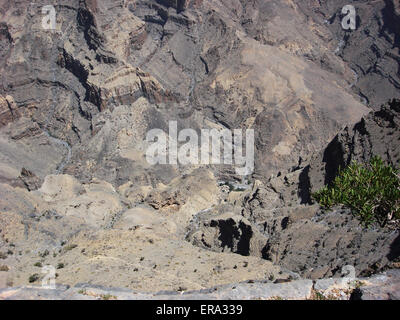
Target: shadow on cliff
<point>394,249</point>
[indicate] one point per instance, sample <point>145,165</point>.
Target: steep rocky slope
<point>202,66</point>
<point>76,103</point>
<point>317,243</point>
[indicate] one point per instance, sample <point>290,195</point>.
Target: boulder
<point>226,233</point>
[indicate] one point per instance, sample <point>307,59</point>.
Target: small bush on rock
<point>60,266</point>
<point>371,191</point>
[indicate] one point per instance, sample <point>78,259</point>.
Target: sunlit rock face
<point>266,65</point>
<point>77,103</point>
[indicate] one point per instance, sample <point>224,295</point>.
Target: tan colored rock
<point>8,110</point>
<point>60,187</point>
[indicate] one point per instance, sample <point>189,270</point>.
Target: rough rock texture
<point>371,51</point>
<point>8,110</point>
<point>92,233</point>
<point>316,243</point>
<point>320,245</point>
<point>29,180</point>
<point>296,290</point>
<point>376,134</point>
<point>227,233</point>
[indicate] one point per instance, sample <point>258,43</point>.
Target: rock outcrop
<point>226,233</point>
<point>377,134</point>
<point>317,243</point>
<point>77,103</point>
<point>8,110</point>
<point>371,51</point>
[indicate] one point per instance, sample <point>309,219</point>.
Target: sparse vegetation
<point>38,264</point>
<point>4,268</point>
<point>371,191</point>
<point>318,296</point>
<point>34,277</point>
<point>60,265</point>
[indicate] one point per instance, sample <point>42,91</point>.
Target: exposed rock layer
<point>80,100</point>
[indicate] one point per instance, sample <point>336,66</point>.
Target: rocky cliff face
<point>317,243</point>
<point>278,221</point>
<point>202,63</point>
<point>376,134</point>
<point>77,102</point>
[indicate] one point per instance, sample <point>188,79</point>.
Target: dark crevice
<point>180,6</point>
<point>227,232</point>
<point>81,73</point>
<point>4,32</point>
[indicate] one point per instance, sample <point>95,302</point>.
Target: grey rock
<point>381,287</point>
<point>377,134</point>
<point>81,99</point>
<point>317,243</point>
<point>226,233</point>
<point>295,290</point>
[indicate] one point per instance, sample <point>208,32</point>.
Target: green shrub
<point>33,278</point>
<point>371,191</point>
